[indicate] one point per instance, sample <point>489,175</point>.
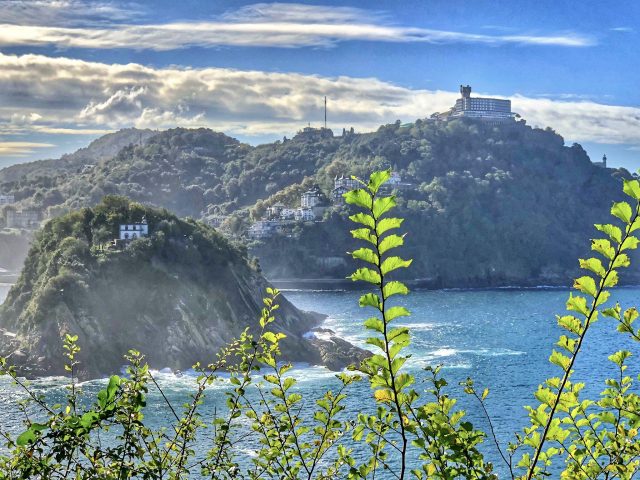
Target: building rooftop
<point>481,108</point>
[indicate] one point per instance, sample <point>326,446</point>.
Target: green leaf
<point>632,188</point>
<point>570,323</point>
<point>393,263</point>
<point>619,357</point>
<point>586,285</point>
<point>366,255</point>
<point>621,261</point>
<point>370,300</point>
<point>387,224</point>
<point>560,360</point>
<point>89,419</point>
<point>594,265</point>
<point>288,383</point>
<point>376,179</point>
<point>364,234</point>
<point>377,342</point>
<point>613,232</point>
<point>389,242</point>
<point>273,337</point>
<point>395,312</point>
<point>622,210</point>
<point>394,288</point>
<point>383,205</point>
<point>112,387</point>
<point>630,242</point>
<point>399,335</point>
<point>612,279</point>
<point>374,323</point>
<point>30,435</point>
<point>366,275</point>
<point>630,315</point>
<point>613,312</point>
<point>360,198</point>
<point>577,304</point>
<point>364,219</point>
<point>603,247</point>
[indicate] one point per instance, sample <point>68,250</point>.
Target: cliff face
<point>176,296</point>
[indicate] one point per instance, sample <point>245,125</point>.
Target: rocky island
<point>124,276</point>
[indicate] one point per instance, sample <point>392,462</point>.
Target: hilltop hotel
<point>487,109</point>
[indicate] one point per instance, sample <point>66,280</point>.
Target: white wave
<point>483,352</point>
<point>420,326</point>
<point>443,352</point>
<point>496,352</point>
<point>457,366</point>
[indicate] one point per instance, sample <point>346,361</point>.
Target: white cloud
<point>66,12</point>
<point>284,25</point>
<point>40,94</point>
<point>21,149</point>
<point>622,29</point>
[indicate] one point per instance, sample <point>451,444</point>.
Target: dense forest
<point>487,204</point>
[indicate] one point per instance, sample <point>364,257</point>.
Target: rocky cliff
<point>177,296</point>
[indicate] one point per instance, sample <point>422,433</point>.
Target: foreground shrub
<point>568,436</point>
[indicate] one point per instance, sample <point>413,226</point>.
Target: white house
<point>310,198</point>
<point>7,199</point>
<point>275,211</point>
<point>304,215</point>
<point>131,231</point>
<point>287,213</point>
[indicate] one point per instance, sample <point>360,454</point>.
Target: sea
<point>501,338</point>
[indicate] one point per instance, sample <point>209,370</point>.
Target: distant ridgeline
<point>177,291</point>
<point>489,200</point>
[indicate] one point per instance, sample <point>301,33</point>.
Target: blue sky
<point>71,70</point>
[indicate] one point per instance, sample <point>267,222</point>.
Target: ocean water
<point>500,338</point>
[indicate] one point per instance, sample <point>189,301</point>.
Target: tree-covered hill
<point>102,148</point>
<point>487,205</point>
<point>177,295</point>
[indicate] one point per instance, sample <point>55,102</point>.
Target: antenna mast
<point>325,112</point>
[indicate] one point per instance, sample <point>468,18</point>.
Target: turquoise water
<point>500,338</point>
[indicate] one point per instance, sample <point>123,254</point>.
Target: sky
<point>72,70</point>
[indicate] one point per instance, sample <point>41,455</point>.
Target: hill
<point>488,205</point>
<point>177,295</point>
<point>103,147</point>
<point>485,205</point>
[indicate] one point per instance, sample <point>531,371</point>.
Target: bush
<point>592,438</point>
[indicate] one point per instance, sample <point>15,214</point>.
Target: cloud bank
<point>283,25</point>
<point>40,95</point>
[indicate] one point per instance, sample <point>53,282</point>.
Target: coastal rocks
<point>335,353</point>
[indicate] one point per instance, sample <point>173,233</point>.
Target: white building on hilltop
<point>131,231</point>
<point>493,110</point>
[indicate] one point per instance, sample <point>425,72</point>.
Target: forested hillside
<point>486,205</point>
<point>178,295</point>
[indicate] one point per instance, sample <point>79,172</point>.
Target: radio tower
<point>325,112</point>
